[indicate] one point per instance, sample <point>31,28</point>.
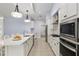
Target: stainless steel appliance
<point>70,29</point>
<point>69,38</point>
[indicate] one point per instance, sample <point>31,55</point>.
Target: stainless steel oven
<point>69,38</point>
<point>70,28</point>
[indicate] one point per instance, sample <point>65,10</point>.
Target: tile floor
<point>41,48</point>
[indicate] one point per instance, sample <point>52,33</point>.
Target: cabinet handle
<point>65,16</point>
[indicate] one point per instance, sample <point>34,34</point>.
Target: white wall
<point>38,29</point>
<point>29,25</point>
<point>14,25</point>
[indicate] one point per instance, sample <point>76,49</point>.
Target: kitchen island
<point>2,47</point>
<point>19,48</point>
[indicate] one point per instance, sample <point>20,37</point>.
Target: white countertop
<point>10,42</point>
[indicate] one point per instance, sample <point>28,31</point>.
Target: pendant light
<point>27,17</point>
<point>16,13</point>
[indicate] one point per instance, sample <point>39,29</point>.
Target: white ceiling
<point>36,10</point>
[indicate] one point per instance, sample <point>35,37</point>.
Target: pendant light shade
<point>27,17</point>
<point>27,20</point>
<point>16,13</point>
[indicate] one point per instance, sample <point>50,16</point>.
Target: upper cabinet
<point>68,10</point>
<point>71,9</point>
<point>62,11</point>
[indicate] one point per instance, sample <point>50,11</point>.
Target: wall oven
<point>70,28</point>
<point>69,37</point>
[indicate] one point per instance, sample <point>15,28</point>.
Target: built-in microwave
<point>70,28</point>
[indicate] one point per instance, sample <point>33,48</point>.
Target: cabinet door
<point>56,46</point>
<point>71,9</point>
<point>62,12</point>
<point>1,28</point>
<point>0,51</point>
<point>51,41</point>
<point>53,44</point>
<point>25,48</point>
<point>30,43</point>
<point>67,10</point>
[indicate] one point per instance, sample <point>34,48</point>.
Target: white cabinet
<point>27,46</point>
<point>71,9</point>
<point>67,10</point>
<point>1,27</point>
<point>62,11</point>
<point>1,36</point>
<point>49,28</point>
<point>20,50</point>
<point>55,40</point>
<point>53,29</point>
<point>0,51</point>
<point>55,45</point>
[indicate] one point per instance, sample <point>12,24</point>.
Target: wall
<point>15,25</point>
<point>39,29</point>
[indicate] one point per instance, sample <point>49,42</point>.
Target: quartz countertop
<point>10,42</point>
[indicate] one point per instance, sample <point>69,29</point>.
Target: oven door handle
<point>55,35</point>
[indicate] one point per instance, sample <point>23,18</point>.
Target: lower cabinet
<point>2,51</point>
<point>54,43</point>
<point>26,48</point>
<point>56,46</point>
<point>19,50</point>
<point>28,45</point>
